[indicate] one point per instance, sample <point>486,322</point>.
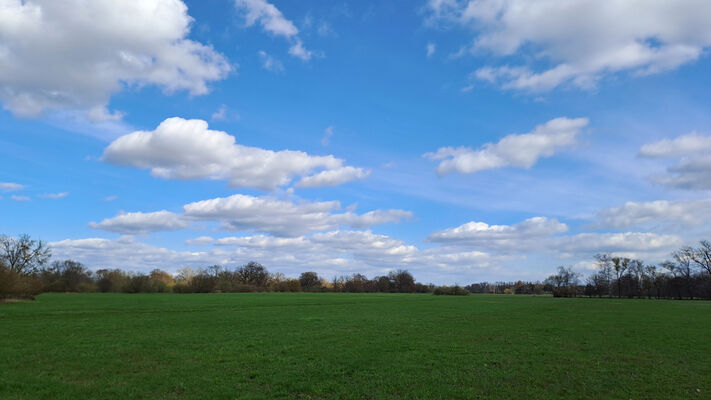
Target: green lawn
<point>352,346</point>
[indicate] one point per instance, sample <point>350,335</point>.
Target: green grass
<point>352,346</point>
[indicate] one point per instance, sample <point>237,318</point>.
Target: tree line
<point>686,275</point>
<point>25,271</point>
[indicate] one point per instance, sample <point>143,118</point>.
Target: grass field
<point>353,346</point>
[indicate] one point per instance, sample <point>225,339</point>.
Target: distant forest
<point>25,271</point>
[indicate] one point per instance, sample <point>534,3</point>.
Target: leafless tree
<point>701,256</point>
<point>23,255</point>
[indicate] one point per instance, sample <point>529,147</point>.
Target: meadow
<point>353,346</point>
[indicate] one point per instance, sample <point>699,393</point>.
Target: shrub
<point>182,287</point>
<point>15,285</point>
<point>450,291</point>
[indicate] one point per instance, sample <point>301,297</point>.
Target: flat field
<point>352,346</point>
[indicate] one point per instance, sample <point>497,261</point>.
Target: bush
<point>450,291</point>
<point>182,287</point>
<point>15,285</point>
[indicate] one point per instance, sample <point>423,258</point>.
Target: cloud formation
<point>333,177</point>
<point>522,235</point>
<point>138,222</point>
<point>693,171</point>
<point>284,218</point>
<point>73,54</point>
<point>661,213</point>
<point>541,235</point>
<point>10,186</point>
<point>239,212</point>
<point>53,196</point>
<point>273,22</point>
<point>578,42</point>
<point>187,149</point>
<point>270,63</point>
<point>514,150</point>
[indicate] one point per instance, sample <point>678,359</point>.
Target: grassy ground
<point>350,346</point>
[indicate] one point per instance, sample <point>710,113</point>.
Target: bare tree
<point>23,255</point>
<point>701,256</point>
<point>684,258</point>
<point>604,262</point>
<point>309,280</point>
<point>253,273</point>
<point>619,265</point>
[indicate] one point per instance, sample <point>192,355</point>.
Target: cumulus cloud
<point>579,42</point>
<point>630,244</point>
<point>273,22</point>
<point>283,218</point>
<point>330,254</point>
<point>521,151</point>
<point>681,146</point>
<point>333,177</point>
<point>127,253</point>
<point>73,54</point>
<point>659,213</point>
<point>541,235</point>
<point>693,171</point>
<point>10,187</point>
<point>138,222</point>
<point>187,149</point>
<point>200,241</point>
<point>480,234</point>
<point>298,50</point>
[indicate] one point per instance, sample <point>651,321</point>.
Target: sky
<point>462,140</point>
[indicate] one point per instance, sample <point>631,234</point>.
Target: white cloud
<point>220,114</point>
<point>187,149</point>
<point>631,244</point>
<point>659,213</point>
<point>333,177</point>
<point>274,22</point>
<point>10,187</point>
<point>681,146</point>
<point>20,198</point>
<point>521,151</point>
<point>127,253</point>
<point>544,236</point>
<point>283,218</point>
<point>693,171</point>
<point>73,54</point>
<point>263,241</point>
<point>110,198</point>
<point>138,222</point>
<point>329,254</point>
<point>270,63</point>
<point>580,42</point>
<point>271,19</point>
<point>523,235</point>
<point>53,196</point>
<point>431,48</point>
<point>200,241</point>
<point>327,133</point>
<point>298,50</point>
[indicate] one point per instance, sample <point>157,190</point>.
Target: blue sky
<point>461,140</point>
